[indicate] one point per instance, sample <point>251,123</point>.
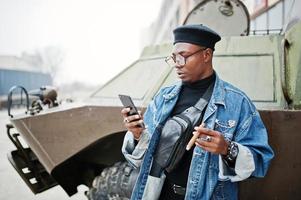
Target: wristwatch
<point>232,152</point>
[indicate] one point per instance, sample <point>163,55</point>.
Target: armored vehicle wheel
<point>114,183</point>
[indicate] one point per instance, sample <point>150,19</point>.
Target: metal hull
<point>283,178</point>
<point>57,136</point>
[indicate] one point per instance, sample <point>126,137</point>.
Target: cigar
<point>193,139</point>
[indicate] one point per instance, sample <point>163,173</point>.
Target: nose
<point>178,66</point>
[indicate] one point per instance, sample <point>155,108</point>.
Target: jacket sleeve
<point>254,136</point>
<point>255,154</point>
<point>244,166</point>
<point>134,153</point>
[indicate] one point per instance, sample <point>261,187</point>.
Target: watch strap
<point>231,155</point>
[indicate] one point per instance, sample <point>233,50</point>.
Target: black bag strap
<point>201,105</point>
<point>203,101</point>
<point>194,120</point>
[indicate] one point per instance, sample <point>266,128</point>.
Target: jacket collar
<point>218,94</point>
<point>174,92</point>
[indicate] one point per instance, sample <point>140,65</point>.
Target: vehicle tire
<point>114,183</point>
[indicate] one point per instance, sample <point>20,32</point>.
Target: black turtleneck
<point>190,93</point>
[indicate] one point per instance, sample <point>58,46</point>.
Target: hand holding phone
<point>128,103</point>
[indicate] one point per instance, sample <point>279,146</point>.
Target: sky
<point>98,38</point>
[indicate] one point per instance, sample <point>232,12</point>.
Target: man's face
<point>198,65</point>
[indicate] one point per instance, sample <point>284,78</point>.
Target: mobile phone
<point>128,103</point>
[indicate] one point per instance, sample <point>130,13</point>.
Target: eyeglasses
<point>179,59</point>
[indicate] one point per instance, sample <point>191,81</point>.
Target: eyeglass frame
<point>175,61</point>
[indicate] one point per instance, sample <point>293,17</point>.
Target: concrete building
<point>267,16</point>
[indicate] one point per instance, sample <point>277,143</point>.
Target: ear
<point>208,55</point>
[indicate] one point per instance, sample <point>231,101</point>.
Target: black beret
<point>196,34</point>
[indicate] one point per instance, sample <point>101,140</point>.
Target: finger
<point>206,131</point>
<point>125,120</point>
<point>208,138</point>
<point>134,124</point>
<point>125,112</point>
<point>133,118</point>
<point>194,138</point>
<point>203,143</point>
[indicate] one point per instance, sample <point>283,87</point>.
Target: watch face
<point>234,150</point>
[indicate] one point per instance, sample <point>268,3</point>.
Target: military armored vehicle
<point>72,143</point>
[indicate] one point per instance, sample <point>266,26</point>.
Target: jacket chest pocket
<point>226,127</point>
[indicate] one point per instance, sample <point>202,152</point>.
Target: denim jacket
<point>230,112</point>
